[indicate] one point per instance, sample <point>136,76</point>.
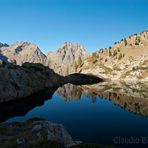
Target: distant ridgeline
<point>126,60</point>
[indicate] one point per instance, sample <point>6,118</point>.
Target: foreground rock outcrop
<point>22,81</point>
<point>34,133</point>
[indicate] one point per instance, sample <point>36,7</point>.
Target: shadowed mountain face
<point>17,82</point>
<point>30,85</point>
<point>67,58</point>
<point>22,106</point>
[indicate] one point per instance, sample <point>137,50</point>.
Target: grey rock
<point>22,52</point>
<point>67,58</point>
<point>22,81</point>
<point>20,141</point>
<point>36,128</point>
<point>50,132</point>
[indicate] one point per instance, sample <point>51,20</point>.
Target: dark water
<point>89,115</point>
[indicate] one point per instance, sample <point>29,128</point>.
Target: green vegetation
<point>120,56</point>
<point>125,42</point>
<point>115,53</point>
<point>117,68</point>
<point>123,76</point>
<point>110,53</point>
<point>34,66</point>
<point>95,57</point>
<point>107,69</point>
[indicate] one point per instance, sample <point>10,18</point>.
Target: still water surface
<point>89,115</point>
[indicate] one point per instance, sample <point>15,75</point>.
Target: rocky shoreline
<point>18,82</point>
<point>40,133</point>
<point>35,133</point>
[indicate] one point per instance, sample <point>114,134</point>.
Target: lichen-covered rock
<point>34,132</point>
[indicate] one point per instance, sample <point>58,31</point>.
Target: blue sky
<point>93,23</point>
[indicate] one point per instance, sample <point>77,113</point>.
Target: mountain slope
<point>67,58</point>
<point>22,52</point>
<point>127,60</point>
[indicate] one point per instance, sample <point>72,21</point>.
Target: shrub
<point>110,53</point>
<point>114,52</point>
<point>120,56</point>
<point>94,55</point>
<point>136,43</point>
<point>125,42</point>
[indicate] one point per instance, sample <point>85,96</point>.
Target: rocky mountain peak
<point>69,46</point>
<point>21,52</point>
<point>65,60</point>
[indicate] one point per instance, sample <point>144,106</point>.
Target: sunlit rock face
<point>67,58</point>
<point>133,98</point>
<point>70,92</point>
<point>22,52</point>
<point>126,60</point>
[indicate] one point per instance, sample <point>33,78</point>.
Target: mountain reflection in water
<point>132,97</point>
<point>91,113</point>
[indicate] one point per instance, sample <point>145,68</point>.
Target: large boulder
<point>21,81</point>
<point>38,133</point>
